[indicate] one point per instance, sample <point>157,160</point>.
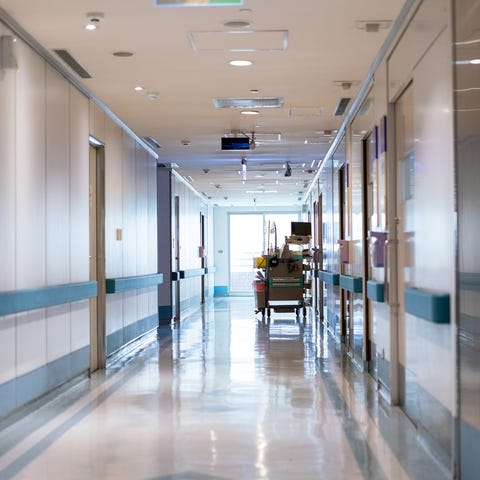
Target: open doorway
<point>249,238</point>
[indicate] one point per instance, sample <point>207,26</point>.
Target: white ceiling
<point>181,55</point>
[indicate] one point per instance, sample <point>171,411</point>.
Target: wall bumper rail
<point>469,281</point>
<point>191,273</point>
<point>434,307</point>
<point>329,277</point>
<point>23,300</point>
<point>118,285</point>
<point>376,291</point>
<point>352,284</point>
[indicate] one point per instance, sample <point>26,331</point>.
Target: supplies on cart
<point>282,275</point>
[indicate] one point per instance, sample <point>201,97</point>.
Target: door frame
<point>366,173</point>
<point>203,258</point>
<point>176,258</point>
<point>98,304</point>
<point>342,217</point>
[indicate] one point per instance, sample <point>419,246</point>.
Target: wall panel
<point>430,19</point>
<point>30,172</point>
<point>80,325</point>
<point>58,332</point>
<point>7,173</point>
<point>141,188</point>
<point>114,313</point>
<point>151,174</point>
<point>31,341</point>
<point>434,206</point>
<point>57,179</point>
<point>129,207</point>
<point>79,187</point>
<point>113,200</point>
<point>7,348</point>
<point>97,121</point>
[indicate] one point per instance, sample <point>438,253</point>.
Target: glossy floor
<point>221,396</point>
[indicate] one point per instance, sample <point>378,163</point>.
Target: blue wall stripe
<point>128,333</point>
<point>352,284</point>
<point>31,299</point>
<point>220,291</point>
<point>117,285</point>
<point>469,281</point>
<point>7,398</point>
<point>30,386</point>
<point>434,307</point>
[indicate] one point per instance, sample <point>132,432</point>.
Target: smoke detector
<point>373,26</point>
<point>346,84</point>
<point>94,19</point>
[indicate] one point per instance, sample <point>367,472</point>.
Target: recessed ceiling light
<point>240,63</point>
<point>254,91</point>
<point>237,24</point>
<point>122,54</point>
<point>138,88</point>
<point>475,61</point>
<point>90,26</point>
<point>250,112</point>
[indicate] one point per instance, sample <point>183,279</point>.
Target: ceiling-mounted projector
<point>235,143</point>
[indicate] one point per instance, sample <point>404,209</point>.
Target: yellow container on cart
<point>260,262</point>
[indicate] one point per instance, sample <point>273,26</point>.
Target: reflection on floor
<point>221,396</point>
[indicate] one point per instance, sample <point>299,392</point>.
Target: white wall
<point>45,123</point>
<point>130,211</point>
<point>43,209</point>
<point>427,351</point>
<point>191,206</point>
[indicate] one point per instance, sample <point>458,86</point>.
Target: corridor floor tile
<point>224,396</point>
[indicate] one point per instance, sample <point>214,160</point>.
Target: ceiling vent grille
<point>264,102</point>
<point>72,63</point>
<point>342,106</point>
